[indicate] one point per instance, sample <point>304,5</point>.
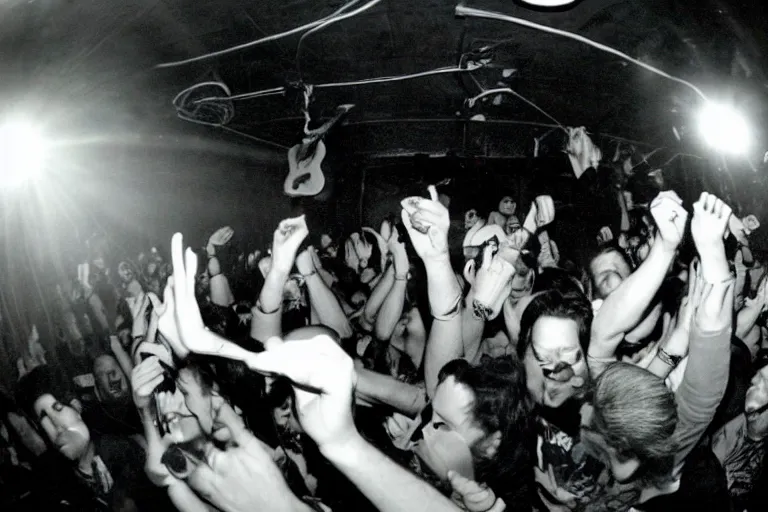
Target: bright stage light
<point>724,128</point>
<point>22,153</point>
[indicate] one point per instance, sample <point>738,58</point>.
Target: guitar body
<point>305,178</point>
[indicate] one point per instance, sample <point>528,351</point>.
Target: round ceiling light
<point>548,3</point>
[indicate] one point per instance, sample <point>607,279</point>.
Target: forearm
<point>623,309</point>
<point>444,344</point>
<point>406,398</point>
<point>472,334</point>
<point>391,311</point>
<point>442,286</point>
<point>221,293</point>
<point>99,311</point>
<point>747,317</point>
<point>375,475</point>
<point>379,294</point>
<point>329,311</point>
<point>271,296</point>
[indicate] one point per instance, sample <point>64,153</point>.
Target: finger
<point>229,418</point>
<point>432,192</point>
<point>487,256</point>
<point>406,217</point>
<point>424,218</point>
<point>297,360</point>
<point>461,484</point>
<point>146,388</point>
<point>177,259</point>
<point>191,269</point>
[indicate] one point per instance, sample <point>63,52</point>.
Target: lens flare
<point>22,153</point>
<point>724,128</point>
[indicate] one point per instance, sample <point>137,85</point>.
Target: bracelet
<point>480,310</point>
<point>404,278</point>
<point>668,359</point>
<point>452,313</point>
<point>310,274</point>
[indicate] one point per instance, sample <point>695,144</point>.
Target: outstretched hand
<point>289,235</point>
<point>472,496</point>
<point>427,222</point>
<point>243,477</point>
<point>670,217</point>
<point>708,227</point>
<point>320,364</point>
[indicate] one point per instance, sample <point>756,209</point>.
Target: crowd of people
<point>384,371</point>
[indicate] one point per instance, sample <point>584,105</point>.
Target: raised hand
<point>145,378</point>
<point>189,323</point>
<point>427,222</point>
<point>670,217</point>
<point>166,324</point>
<point>710,221</point>
<point>221,237</point>
<point>492,282</point>
<point>318,363</point>
<point>605,235</point>
<point>711,218</point>
<point>243,477</point>
<point>289,235</point>
<point>739,230</point>
<point>751,223</point>
<point>472,496</point>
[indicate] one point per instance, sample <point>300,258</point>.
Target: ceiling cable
<point>366,81</point>
<point>308,26</point>
<point>462,10</point>
<point>506,90</point>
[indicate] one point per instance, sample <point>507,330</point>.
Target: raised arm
<point>267,313</point>
<point>706,373</point>
<point>322,300</point>
<point>327,419</point>
<point>427,222</point>
<point>392,309</point>
<point>623,309</point>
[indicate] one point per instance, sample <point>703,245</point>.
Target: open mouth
<point>116,387</point>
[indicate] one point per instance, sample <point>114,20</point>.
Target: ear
<point>490,445</point>
<point>469,272</point>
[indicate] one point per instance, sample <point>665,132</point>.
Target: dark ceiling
<point>87,63</point>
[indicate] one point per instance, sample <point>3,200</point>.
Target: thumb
<point>498,506</point>
<point>461,484</point>
<point>229,418</point>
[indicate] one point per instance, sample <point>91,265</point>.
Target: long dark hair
<point>501,404</point>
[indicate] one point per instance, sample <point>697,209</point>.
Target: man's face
<point>754,405</point>
<point>507,206</point>
<point>622,468</point>
<point>757,394</point>
<point>555,365</point>
<point>110,380</point>
<point>608,271</point>
<point>63,426</point>
<point>190,412</point>
<point>125,272</point>
<point>452,411</point>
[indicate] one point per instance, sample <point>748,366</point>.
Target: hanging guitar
<point>306,178</point>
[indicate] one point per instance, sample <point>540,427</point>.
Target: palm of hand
<point>710,220</point>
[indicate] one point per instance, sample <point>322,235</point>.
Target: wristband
<point>480,310</point>
<point>452,312</point>
<point>668,359</point>
<point>401,278</point>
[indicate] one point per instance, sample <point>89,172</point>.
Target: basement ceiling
<point>90,64</point>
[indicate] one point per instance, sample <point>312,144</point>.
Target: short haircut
<point>636,414</point>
